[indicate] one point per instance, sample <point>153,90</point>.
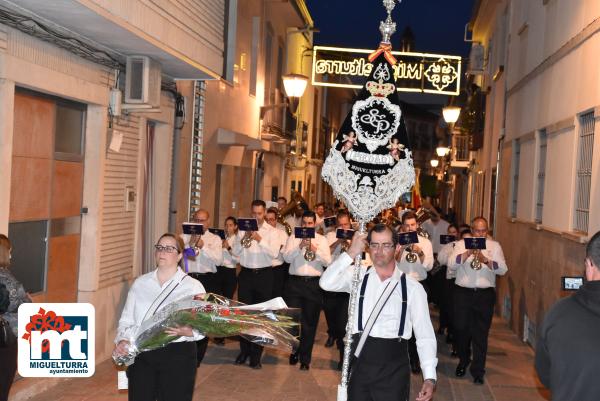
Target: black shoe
<point>293,359</point>
<point>219,341</point>
<point>478,380</point>
<point>460,370</point>
<point>415,367</point>
<point>304,366</point>
<point>256,365</point>
<point>330,341</point>
<point>453,354</point>
<point>241,359</point>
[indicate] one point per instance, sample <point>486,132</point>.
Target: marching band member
<point>280,266</point>
<point>302,288</point>
<point>255,281</point>
<point>474,298</point>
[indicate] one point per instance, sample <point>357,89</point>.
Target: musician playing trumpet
<point>475,297</point>
<point>302,288</point>
<point>415,260</point>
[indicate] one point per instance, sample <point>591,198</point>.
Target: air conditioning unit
<point>142,81</point>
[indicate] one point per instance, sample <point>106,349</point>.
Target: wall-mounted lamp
<point>451,114</point>
<point>294,86</point>
<point>434,163</point>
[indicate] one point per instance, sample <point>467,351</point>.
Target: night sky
<point>438,25</point>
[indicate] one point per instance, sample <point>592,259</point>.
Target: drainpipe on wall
<point>258,174</point>
<point>179,122</point>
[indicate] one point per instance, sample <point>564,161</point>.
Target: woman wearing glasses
<point>167,373</point>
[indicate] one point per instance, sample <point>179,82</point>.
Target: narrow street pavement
<point>510,376</point>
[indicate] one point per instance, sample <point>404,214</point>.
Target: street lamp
<point>294,86</point>
<point>434,163</point>
<point>442,150</point>
<point>451,114</point>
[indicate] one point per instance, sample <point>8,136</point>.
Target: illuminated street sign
<point>415,72</point>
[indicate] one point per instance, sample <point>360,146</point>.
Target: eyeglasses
<point>386,246</point>
<point>167,249</point>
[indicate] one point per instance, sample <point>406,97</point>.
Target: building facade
<point>540,177</point>
<point>86,174</point>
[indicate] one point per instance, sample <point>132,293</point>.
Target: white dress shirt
<point>484,277</point>
<point>331,238</point>
<point>338,278</point>
<point>295,256</point>
<point>259,254</point>
<point>229,260</point>
<point>209,256</point>
<point>444,258</point>
<point>435,230</point>
<point>418,270</point>
<point>147,292</point>
<point>280,239</point>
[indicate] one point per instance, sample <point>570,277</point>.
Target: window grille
<point>197,146</point>
<point>541,176</point>
<point>584,172</point>
<point>461,146</point>
<point>515,178</point>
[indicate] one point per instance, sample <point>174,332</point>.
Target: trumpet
<point>309,255</point>
<point>476,262</point>
<point>345,246</point>
<point>423,214</point>
<point>411,256</point>
<point>247,239</point>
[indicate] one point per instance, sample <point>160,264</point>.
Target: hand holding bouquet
<point>270,323</point>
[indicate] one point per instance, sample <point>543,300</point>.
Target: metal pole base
<point>342,394</point>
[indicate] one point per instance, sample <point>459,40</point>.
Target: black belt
<point>200,274</point>
<point>256,270</point>
<point>304,278</point>
<point>476,289</point>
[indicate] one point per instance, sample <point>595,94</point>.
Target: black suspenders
<point>363,288</point>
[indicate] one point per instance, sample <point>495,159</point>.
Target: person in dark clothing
<point>566,357</point>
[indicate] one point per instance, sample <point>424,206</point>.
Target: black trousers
<point>335,306</point>
<point>305,293</point>
<point>165,374</point>
<point>280,276</point>
<point>254,285</point>
<point>381,372</point>
<point>447,305</point>
<point>8,367</point>
<point>226,281</point>
<point>209,282</point>
<point>473,312</point>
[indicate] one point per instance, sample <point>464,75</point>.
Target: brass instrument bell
<point>476,262</point>
<point>309,255</point>
<point>247,240</point>
<point>411,256</point>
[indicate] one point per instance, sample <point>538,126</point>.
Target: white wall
<point>526,181</point>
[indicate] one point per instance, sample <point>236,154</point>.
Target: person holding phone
<point>475,297</point>
<point>567,349</point>
<point>167,373</point>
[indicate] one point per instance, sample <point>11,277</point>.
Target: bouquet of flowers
<point>269,323</point>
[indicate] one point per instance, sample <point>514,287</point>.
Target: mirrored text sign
<point>415,72</point>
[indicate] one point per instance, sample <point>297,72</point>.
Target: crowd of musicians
<point>271,262</point>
